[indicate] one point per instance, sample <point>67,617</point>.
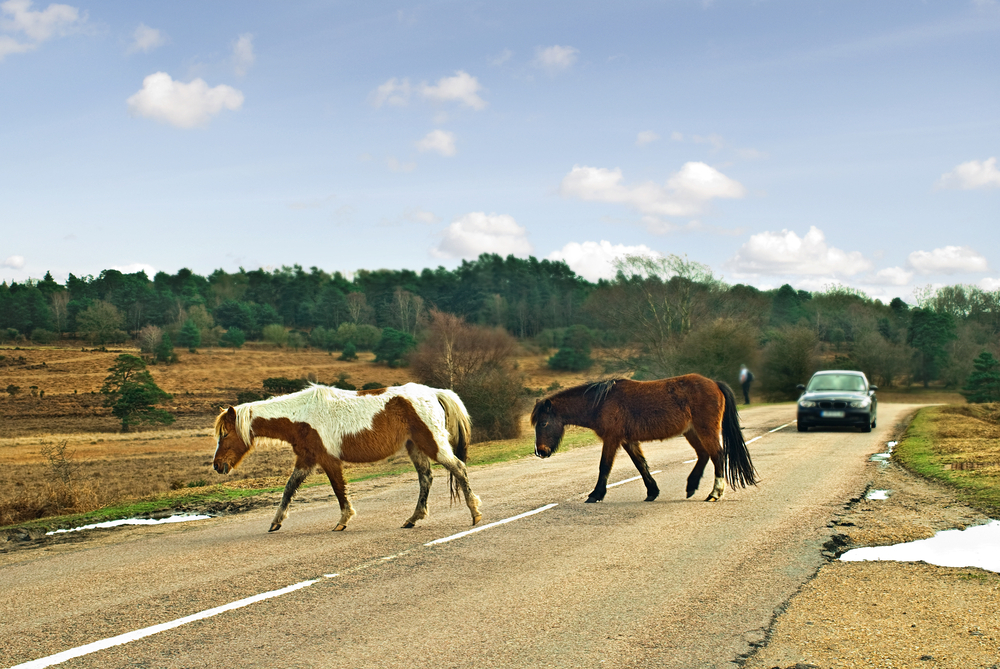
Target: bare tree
<point>60,303</point>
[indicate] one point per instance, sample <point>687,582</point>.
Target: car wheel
<point>867,427</point>
<point>802,428</point>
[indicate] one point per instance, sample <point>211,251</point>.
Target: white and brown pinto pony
<point>328,426</point>
<point>623,413</point>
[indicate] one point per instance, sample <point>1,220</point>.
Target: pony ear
<point>547,406</point>
<point>231,413</point>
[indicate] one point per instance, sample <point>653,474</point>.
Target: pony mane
<point>599,390</point>
<point>294,401</point>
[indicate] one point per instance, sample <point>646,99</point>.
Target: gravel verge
<point>890,614</point>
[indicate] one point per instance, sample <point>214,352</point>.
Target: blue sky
<point>812,143</point>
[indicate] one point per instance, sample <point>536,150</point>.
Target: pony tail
<point>459,426</point>
<point>738,468</point>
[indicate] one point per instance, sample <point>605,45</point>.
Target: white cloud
<point>395,92</point>
<point>13,262</point>
<point>785,253</point>
<point>971,175</point>
<point>9,45</point>
<point>594,260</point>
<point>396,166</point>
<point>420,216</point>
<point>948,260</point>
<point>892,276</point>
<point>440,141</point>
<point>502,57</point>
<point>989,284</point>
<point>676,136</point>
<point>243,55</point>
<point>182,105</point>
<point>477,232</point>
<point>555,59</point>
<point>145,39</point>
<point>462,87</point>
<point>686,192</point>
<point>646,137</point>
<point>53,21</point>
<point>134,267</point>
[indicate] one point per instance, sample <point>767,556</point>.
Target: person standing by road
<point>746,377</point>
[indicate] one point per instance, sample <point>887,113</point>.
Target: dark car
<point>837,398</point>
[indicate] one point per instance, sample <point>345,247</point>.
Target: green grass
<point>484,453</point>
<point>940,436</point>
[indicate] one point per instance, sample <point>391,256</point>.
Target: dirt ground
<point>890,614</point>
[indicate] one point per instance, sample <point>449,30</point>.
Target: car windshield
<point>849,382</point>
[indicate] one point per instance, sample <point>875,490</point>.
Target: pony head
<point>549,428</point>
<point>230,446</point>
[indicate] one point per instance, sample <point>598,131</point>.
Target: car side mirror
<point>800,387</point>
<point>873,387</point>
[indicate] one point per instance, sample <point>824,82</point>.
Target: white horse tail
<point>459,431</point>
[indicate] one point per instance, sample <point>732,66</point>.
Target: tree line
<point>657,317</point>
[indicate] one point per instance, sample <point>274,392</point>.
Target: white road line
<point>780,427</point>
<point>486,527</point>
<point>155,629</point>
<point>634,478</point>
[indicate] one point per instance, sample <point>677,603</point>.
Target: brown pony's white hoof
<point>340,528</point>
<point>275,527</point>
<point>476,518</point>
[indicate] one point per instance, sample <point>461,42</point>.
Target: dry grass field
<point>62,452</point>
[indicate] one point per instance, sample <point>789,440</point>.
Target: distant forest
<point>658,317</point>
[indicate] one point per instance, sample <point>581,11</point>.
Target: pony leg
<point>607,462</point>
<point>719,489</point>
<point>634,450</point>
<point>694,478</point>
<point>335,473</point>
<point>460,474</point>
<point>423,466</point>
<point>294,481</point>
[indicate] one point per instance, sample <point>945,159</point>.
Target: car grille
<point>832,405</point>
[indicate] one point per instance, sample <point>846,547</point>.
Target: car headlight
<point>806,404</point>
<point>861,404</point>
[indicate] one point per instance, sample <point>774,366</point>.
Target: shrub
<point>234,338</point>
<point>279,385</point>
<point>343,383</point>
<point>717,349</point>
<point>350,352</point>
<point>43,336</point>
<point>164,351</point>
<point>323,339</point>
<point>372,385</point>
<point>245,396</point>
<point>101,323</point>
<point>365,337</point>
<point>477,363</point>
<point>275,334</point>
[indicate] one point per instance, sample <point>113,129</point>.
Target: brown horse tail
<point>735,455</point>
<point>459,432</point>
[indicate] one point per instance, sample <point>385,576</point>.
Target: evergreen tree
<point>190,336</point>
<point>164,351</point>
<point>131,393</point>
<point>393,347</point>
<point>574,355</point>
<point>983,385</point>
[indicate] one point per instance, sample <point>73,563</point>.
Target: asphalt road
<point>625,583</point>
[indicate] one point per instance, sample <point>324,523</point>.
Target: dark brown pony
<point>327,426</point>
<point>624,412</point>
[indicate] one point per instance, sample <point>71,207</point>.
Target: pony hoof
<point>477,518</point>
<point>275,527</point>
<point>650,498</point>
<point>340,528</point>
<point>592,500</point>
<point>690,493</point>
<point>711,498</point>
<point>408,524</point>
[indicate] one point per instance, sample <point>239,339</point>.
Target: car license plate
<point>832,414</point>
